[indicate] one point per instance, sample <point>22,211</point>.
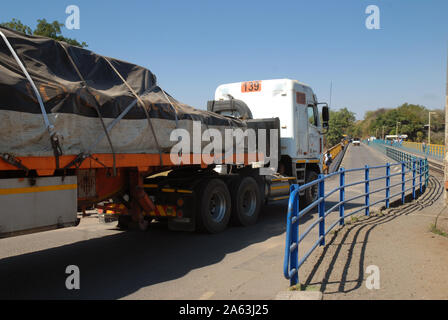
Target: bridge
<point>433,152</point>
<point>240,263</point>
<point>362,186</point>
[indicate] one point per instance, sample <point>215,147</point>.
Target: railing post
<point>322,209</point>
<point>342,197</point>
<point>413,177</point>
<point>294,253</point>
<point>426,172</point>
<point>403,182</point>
<point>420,167</point>
<point>387,184</point>
<point>367,190</point>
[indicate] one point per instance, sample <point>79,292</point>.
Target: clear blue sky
<point>193,46</point>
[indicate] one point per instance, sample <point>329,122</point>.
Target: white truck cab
<point>301,128</point>
<point>293,102</point>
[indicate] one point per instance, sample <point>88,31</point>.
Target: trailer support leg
<point>141,201</point>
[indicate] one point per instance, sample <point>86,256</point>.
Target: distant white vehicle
<point>395,137</point>
<point>356,142</point>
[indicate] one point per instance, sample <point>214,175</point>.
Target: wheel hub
<point>249,202</point>
<point>217,208</point>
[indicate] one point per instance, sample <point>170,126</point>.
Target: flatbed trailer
<point>39,191</point>
<point>91,182</point>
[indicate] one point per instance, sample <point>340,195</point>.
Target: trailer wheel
<point>214,206</point>
<point>312,192</point>
<point>124,222</point>
<point>246,201</point>
<point>143,223</point>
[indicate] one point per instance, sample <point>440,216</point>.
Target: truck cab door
<point>313,131</point>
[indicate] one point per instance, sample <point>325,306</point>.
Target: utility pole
<point>383,133</point>
<point>446,137</point>
<point>331,92</point>
<point>429,126</point>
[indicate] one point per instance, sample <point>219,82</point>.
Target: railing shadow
<point>432,194</point>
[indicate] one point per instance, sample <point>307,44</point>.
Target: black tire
<point>213,206</point>
<point>230,106</point>
<point>311,193</point>
<point>246,201</point>
<point>123,222</point>
<point>144,223</point>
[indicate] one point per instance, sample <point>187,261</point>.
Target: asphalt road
<point>240,263</point>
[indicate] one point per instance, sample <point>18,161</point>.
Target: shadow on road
<point>358,233</point>
<point>115,266</point>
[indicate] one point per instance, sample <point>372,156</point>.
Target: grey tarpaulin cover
<point>74,83</point>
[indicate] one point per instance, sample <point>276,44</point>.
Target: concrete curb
<point>337,163</point>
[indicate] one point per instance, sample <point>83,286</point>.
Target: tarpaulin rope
<point>142,104</point>
<point>39,98</point>
<point>84,155</point>
<point>96,105</point>
<point>121,116</point>
<point>50,128</point>
<point>174,108</point>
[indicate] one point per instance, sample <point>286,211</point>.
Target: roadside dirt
<point>412,260</point>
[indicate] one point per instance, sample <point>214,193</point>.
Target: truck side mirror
<point>325,117</point>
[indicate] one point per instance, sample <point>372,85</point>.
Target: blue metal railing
<point>398,155</point>
<point>417,167</point>
<point>436,152</point>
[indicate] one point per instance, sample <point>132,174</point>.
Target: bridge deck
<point>356,157</point>
<point>240,263</point>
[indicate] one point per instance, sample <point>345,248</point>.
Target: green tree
<point>341,122</point>
<point>17,25</point>
<point>411,119</point>
<point>44,29</point>
<point>419,137</point>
